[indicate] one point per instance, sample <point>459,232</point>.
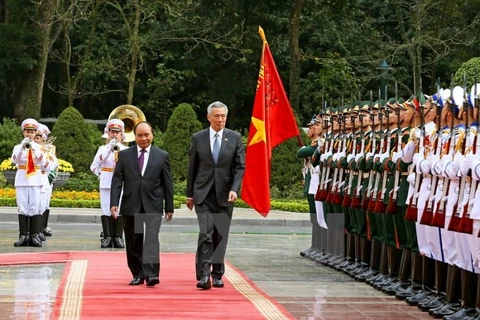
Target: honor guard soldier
<point>103,166</point>
<point>29,159</point>
<point>418,152</point>
<point>306,153</point>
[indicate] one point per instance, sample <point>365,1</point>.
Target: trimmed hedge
<point>63,203</point>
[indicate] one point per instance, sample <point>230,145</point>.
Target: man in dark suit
<point>215,172</point>
<point>143,171</point>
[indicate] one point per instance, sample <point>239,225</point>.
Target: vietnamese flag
<point>272,123</point>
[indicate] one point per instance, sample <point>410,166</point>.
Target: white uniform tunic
<point>102,166</point>
<point>27,188</point>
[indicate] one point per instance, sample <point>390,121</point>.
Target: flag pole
<point>264,39</point>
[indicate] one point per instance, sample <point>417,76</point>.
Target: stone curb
<point>181,217</point>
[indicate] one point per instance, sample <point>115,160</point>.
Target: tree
<point>75,142</point>
<point>294,54</point>
<point>28,94</point>
<point>177,138</point>
<point>470,69</point>
<point>10,135</point>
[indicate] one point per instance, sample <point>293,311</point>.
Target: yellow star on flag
<point>260,134</point>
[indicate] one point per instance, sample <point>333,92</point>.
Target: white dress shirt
<point>212,138</point>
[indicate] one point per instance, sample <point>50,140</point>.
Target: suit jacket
<point>148,190</point>
<point>227,173</point>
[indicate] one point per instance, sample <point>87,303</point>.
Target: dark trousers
<point>214,222</point>
<point>142,244</point>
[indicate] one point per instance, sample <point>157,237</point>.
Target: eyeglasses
<point>218,116</point>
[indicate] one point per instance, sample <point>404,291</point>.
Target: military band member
<point>103,166</point>
<point>29,159</point>
<point>50,152</point>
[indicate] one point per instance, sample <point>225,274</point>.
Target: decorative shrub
<point>177,138</point>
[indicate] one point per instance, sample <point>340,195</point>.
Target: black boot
<point>23,236</point>
<point>117,232</point>
<point>46,230</point>
<point>36,223</point>
<point>106,242</point>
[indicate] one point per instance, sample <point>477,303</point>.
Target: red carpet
<point>95,286</point>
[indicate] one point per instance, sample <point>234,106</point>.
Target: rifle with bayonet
<point>466,225</point>
<point>378,175</point>
<point>380,206</point>
<point>347,201</point>
<point>427,216</point>
<point>357,199</point>
<point>392,201</point>
<point>373,139</point>
<point>412,210</point>
<point>439,215</point>
<point>458,210</point>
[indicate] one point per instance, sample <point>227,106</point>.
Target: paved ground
<point>266,250</point>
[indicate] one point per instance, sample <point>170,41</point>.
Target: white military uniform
<point>428,238</point>
<point>103,166</point>
<point>27,186</point>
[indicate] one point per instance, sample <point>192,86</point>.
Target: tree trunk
<point>135,50</point>
<point>294,61</point>
<point>28,98</point>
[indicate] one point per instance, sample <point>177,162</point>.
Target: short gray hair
<point>216,104</point>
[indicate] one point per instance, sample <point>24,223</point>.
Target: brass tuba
<point>131,116</point>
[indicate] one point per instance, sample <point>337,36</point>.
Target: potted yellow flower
<point>59,177</point>
<point>9,170</point>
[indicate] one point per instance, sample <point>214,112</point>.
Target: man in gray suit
<point>143,171</point>
<point>215,172</point>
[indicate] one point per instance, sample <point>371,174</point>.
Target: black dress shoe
<point>421,297</point>
<point>204,283</point>
<point>152,281</point>
<point>446,310</point>
<point>461,314</point>
<point>137,281</point>
<point>47,232</point>
<point>433,303</point>
<point>41,236</point>
<point>118,242</point>
<point>217,283</point>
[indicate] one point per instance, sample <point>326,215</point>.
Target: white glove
<point>417,158</point>
<point>464,166</point>
<point>451,170</point>
<point>383,156</point>
<point>369,155</point>
<point>408,152</point>
<point>340,155</point>
<point>436,165</point>
<point>359,156</point>
<point>424,166</point>
<point>325,156</point>
<point>411,179</point>
<point>476,170</point>
<point>350,157</point>
<point>320,143</point>
<point>396,156</point>
<point>25,141</point>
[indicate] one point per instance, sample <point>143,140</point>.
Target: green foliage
<point>95,134</point>
<point>286,174</point>
<point>10,135</point>
<point>468,68</point>
<point>75,140</point>
<point>177,138</point>
<point>290,206</point>
<point>64,203</point>
<point>180,188</point>
<point>82,181</point>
